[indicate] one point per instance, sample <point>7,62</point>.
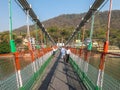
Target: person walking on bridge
<point>54,50</point>
<point>67,54</point>
<point>63,53</point>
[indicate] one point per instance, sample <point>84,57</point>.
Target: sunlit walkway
<point>60,76</point>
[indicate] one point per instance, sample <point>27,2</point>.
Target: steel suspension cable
<point>25,6</point>
<point>94,8</point>
<point>97,12</point>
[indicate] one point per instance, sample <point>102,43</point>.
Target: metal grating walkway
<point>60,76</point>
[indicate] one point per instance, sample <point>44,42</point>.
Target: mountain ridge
<point>63,26</point>
<point>72,20</point>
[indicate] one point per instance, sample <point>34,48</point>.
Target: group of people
<point>65,54</point>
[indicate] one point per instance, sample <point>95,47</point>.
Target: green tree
<point>18,41</point>
<point>4,47</point>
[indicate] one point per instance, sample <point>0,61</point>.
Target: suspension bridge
<point>38,69</point>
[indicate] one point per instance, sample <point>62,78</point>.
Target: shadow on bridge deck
<point>60,76</point>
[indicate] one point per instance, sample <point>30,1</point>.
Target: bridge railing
<point>7,69</point>
<point>19,71</point>
<point>112,72</point>
<point>87,68</point>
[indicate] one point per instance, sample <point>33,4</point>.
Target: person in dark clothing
<point>54,50</point>
<point>67,54</point>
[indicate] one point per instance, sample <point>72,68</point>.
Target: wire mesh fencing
<point>8,79</point>
<point>29,70</point>
<point>112,72</point>
<point>88,70</point>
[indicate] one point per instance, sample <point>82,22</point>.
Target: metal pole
<point>13,47</point>
<point>109,18</point>
<point>28,31</point>
<point>29,42</point>
<point>10,19</point>
<point>37,43</point>
<point>81,48</point>
<point>89,47</point>
<point>12,43</point>
<point>92,26</point>
<point>91,33</point>
<point>18,68</point>
<point>103,55</point>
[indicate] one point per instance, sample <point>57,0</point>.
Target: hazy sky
<point>45,9</point>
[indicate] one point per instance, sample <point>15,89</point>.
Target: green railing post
<point>91,33</point>
<point>87,57</point>
<point>13,48</point>
<point>12,43</point>
<point>89,46</point>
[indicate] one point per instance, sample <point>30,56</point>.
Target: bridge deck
<point>60,76</point>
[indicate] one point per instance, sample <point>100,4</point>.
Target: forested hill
<point>63,26</point>
<point>66,20</point>
<point>72,20</point>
